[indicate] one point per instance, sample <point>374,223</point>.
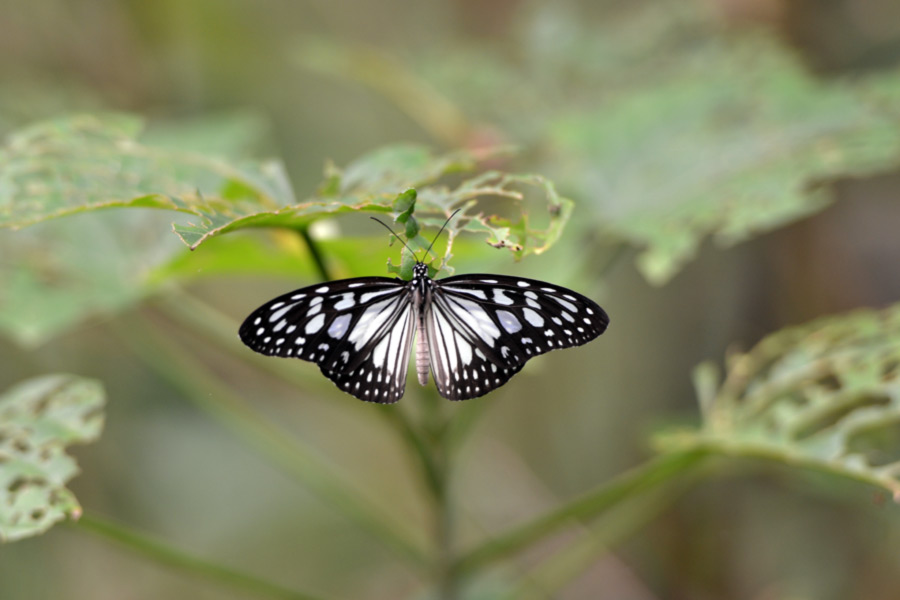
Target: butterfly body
<point>474,331</point>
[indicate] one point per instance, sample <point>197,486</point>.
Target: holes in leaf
<point>880,444</point>
<point>890,370</point>
<point>829,382</point>
<point>17,484</point>
<point>20,482</point>
<point>838,412</point>
<point>21,445</point>
<point>38,514</point>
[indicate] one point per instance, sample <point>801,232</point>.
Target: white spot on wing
<point>275,316</point>
<point>465,350</point>
<point>322,290</point>
<point>366,297</point>
<point>338,327</point>
<point>566,303</point>
<point>501,298</point>
<point>509,321</point>
<point>533,317</point>
<point>523,284</point>
<point>379,353</point>
<point>315,324</point>
<point>346,301</point>
<point>477,293</point>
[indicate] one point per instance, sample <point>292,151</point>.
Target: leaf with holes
<point>84,163</point>
<point>39,418</point>
<point>673,128</point>
<point>88,162</point>
<point>825,395</point>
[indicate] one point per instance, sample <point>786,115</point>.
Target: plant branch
<point>315,253</point>
<point>171,557</point>
<point>189,376</point>
<point>651,474</point>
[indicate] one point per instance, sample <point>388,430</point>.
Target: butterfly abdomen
<point>421,299</point>
<point>422,362</point>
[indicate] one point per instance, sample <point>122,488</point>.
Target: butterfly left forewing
<point>356,330</point>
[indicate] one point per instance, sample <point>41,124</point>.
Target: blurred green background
<point>634,110</point>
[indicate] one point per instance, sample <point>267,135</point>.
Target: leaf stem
<point>172,557</point>
<point>189,376</point>
<point>649,475</point>
<point>315,253</point>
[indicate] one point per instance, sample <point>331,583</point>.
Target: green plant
<point>757,140</point>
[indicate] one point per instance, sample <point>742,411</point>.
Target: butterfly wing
<point>482,329</point>
<point>357,330</point>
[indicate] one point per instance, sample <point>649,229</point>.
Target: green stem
<point>171,557</point>
<point>616,525</point>
<point>188,375</point>
<point>314,252</point>
<point>653,473</point>
<point>441,456</point>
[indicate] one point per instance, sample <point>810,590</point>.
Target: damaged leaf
<point>39,418</point>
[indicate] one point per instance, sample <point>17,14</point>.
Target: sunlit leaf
<point>732,143</point>
<point>824,395</point>
<point>669,127</point>
<point>39,418</point>
<point>56,274</point>
<point>88,162</point>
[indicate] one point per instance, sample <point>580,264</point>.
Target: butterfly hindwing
<point>357,330</point>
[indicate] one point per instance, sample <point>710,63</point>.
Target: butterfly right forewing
<point>484,328</point>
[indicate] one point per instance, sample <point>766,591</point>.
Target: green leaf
<point>88,162</point>
<point>404,205</point>
<point>731,142</point>
<point>825,395</point>
<point>671,127</point>
<point>39,418</point>
<point>82,163</point>
<point>56,274</point>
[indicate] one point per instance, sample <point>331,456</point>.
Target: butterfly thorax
<point>421,289</point>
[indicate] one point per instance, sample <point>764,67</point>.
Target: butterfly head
<point>420,271</point>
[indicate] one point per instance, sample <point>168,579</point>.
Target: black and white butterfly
<point>474,331</point>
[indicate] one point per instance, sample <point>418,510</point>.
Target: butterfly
<point>473,331</point>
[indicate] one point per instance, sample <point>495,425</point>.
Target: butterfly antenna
<point>396,236</point>
<point>442,229</point>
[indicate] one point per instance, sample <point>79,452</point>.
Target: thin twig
<point>188,375</point>
<point>172,557</point>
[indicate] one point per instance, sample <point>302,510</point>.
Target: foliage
<point>39,418</point>
<point>665,127</point>
<point>75,165</point>
<point>668,127</point>
<point>825,395</point>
